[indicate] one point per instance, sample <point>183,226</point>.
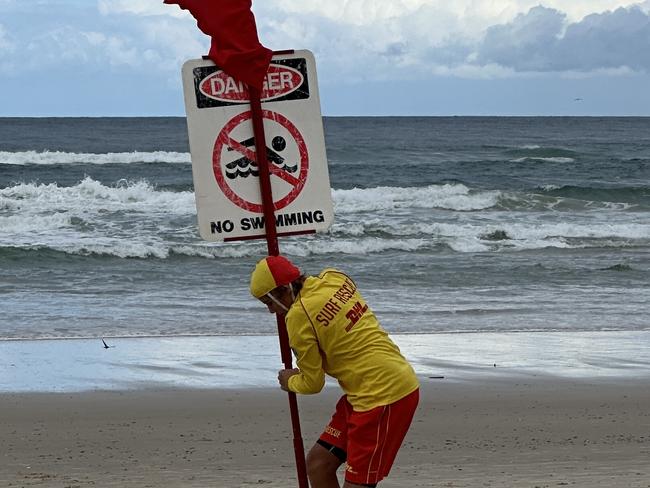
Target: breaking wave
<point>450,196</point>
<point>134,219</point>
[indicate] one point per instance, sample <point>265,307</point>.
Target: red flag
<point>235,46</point>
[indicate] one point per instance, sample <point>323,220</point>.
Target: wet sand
<point>518,432</point>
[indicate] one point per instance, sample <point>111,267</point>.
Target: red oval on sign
<point>278,81</point>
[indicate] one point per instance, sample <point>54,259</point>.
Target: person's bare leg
<point>321,468</point>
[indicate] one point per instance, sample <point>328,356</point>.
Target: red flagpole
<point>274,250</point>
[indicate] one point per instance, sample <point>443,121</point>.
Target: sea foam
<point>60,157</point>
<point>449,196</point>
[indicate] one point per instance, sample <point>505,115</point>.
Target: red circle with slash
<point>224,140</point>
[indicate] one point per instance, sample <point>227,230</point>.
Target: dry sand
<point>498,433</point>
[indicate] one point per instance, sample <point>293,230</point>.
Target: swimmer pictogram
<point>245,167</point>
<point>235,161</point>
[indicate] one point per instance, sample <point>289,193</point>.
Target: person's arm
<point>310,378</point>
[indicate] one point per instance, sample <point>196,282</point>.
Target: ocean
<point>454,227</point>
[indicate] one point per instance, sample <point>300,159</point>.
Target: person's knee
<point>321,462</point>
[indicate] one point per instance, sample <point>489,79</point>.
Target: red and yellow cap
<point>271,272</point>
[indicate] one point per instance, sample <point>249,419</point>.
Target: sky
<point>374,57</point>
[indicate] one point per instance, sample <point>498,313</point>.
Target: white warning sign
<point>224,163</point>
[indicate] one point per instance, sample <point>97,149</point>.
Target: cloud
<point>140,7</point>
<point>348,52</point>
<point>165,34</point>
<point>62,45</point>
<point>528,43</point>
<point>5,43</point>
<point>467,38</point>
<point>90,50</point>
<point>174,41</point>
<point>542,41</point>
<point>476,15</point>
<point>7,48</point>
<point>611,40</point>
<point>354,40</point>
<point>115,36</point>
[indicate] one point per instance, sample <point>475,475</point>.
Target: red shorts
<point>370,439</point>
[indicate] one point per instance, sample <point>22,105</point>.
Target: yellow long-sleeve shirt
<point>332,331</point>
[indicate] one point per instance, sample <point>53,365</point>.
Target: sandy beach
<point>508,432</point>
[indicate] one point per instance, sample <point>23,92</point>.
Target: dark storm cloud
<point>540,40</point>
